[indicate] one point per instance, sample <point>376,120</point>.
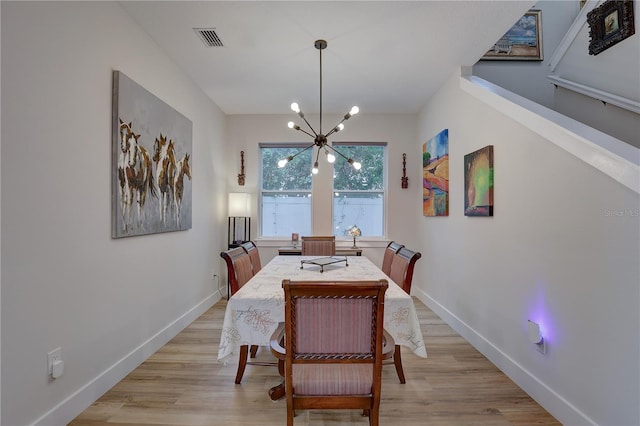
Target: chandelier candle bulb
<point>330,157</point>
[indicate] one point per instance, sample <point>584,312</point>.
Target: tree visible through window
<point>358,197</point>
<point>285,192</point>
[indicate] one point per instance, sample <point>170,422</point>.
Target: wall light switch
<point>55,365</point>
<point>57,369</point>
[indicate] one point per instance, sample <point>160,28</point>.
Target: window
<point>285,192</point>
<point>286,204</point>
<point>358,196</point>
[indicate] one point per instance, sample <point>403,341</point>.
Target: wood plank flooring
<point>183,384</point>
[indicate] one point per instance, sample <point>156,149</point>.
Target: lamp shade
<point>238,204</point>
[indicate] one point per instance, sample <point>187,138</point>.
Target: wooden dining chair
<point>318,245</point>
<point>333,345</point>
<point>401,273</point>
<point>239,271</point>
<point>402,267</point>
<point>389,252</point>
<point>239,267</point>
<point>252,250</point>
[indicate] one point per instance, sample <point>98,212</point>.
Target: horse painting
<point>178,185</point>
<point>148,139</point>
<point>143,183</point>
<point>134,174</point>
<point>125,159</point>
<point>165,158</point>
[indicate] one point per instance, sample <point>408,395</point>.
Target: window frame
<point>319,184</point>
<point>384,191</point>
<point>262,191</point>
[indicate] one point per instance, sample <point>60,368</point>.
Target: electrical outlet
<point>53,358</point>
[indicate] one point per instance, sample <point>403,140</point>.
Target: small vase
<point>354,243</point>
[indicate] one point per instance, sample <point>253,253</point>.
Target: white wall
<point>562,249</point>
<point>574,63</point>
<point>107,303</point>
<point>589,89</point>
<point>529,78</point>
<point>608,118</point>
<point>247,131</point>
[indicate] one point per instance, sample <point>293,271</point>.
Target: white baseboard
<point>80,400</point>
<point>555,404</point>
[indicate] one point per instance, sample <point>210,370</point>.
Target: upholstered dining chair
<point>239,267</point>
<point>402,267</point>
<point>333,345</point>
<point>252,250</point>
<point>401,273</point>
<point>318,245</point>
<point>389,252</point>
<point>239,271</point>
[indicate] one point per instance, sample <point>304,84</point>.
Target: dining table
<point>254,312</point>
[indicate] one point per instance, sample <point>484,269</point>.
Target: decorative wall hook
<point>405,179</point>
<point>241,175</point>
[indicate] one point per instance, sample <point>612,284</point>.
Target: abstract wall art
<point>435,175</point>
<point>151,163</point>
<point>478,182</point>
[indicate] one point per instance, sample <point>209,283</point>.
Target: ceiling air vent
<point>209,37</point>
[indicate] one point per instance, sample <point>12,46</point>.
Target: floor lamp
<point>239,230</point>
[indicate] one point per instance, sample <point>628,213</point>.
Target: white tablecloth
<point>253,313</point>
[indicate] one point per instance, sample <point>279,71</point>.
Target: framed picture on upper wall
<point>523,42</point>
<point>609,24</point>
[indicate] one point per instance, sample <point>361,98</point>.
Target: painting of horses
<point>151,163</point>
<point>435,175</point>
<point>478,182</point>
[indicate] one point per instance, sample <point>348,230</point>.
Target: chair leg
<point>253,350</point>
<point>373,416</point>
<point>397,360</point>
<point>242,363</point>
<point>290,415</point>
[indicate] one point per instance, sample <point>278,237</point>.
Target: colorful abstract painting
<point>435,175</point>
<point>478,182</point>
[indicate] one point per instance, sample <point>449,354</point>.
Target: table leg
<point>277,392</point>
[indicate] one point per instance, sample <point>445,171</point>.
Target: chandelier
<point>320,139</point>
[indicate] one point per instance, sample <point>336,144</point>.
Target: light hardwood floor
<point>183,384</point>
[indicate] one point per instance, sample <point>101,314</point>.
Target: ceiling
<point>387,57</point>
